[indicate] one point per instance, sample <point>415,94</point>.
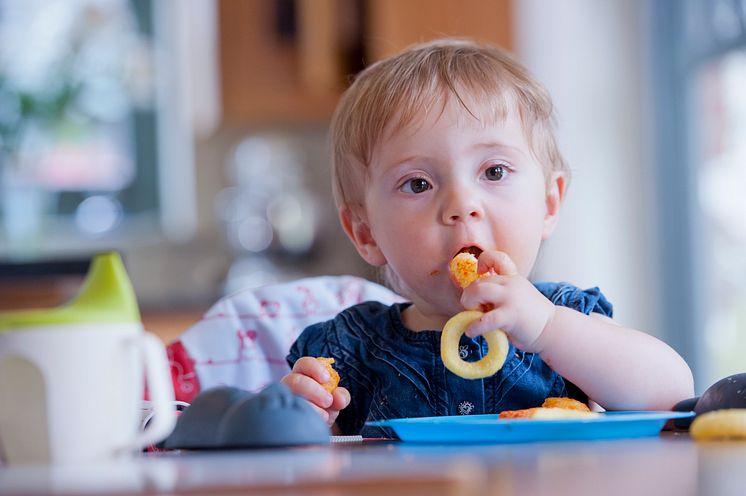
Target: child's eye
<point>415,185</point>
<point>495,173</point>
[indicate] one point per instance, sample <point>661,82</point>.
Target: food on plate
<point>729,423</point>
<point>333,381</point>
<point>463,269</point>
<point>542,413</point>
<point>552,408</point>
<point>568,403</point>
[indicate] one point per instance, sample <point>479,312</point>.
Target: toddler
<point>448,147</point>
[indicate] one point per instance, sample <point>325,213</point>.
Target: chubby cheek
<point>519,234</point>
<point>522,243</point>
<point>399,237</point>
<point>410,256</point>
<point>407,254</point>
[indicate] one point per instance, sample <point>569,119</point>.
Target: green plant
<point>21,109</point>
<point>88,65</point>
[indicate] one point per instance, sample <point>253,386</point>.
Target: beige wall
<point>591,57</point>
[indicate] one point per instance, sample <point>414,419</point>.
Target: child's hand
<point>306,380</point>
<point>509,300</point>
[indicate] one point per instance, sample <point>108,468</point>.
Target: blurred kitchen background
<point>192,137</point>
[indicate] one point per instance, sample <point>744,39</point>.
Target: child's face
<point>447,182</point>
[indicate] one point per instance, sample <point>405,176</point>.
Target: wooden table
<point>670,464</point>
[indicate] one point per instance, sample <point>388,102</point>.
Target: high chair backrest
<point>243,339</point>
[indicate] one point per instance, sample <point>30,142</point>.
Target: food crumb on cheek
<point>435,272</point>
<point>486,307</point>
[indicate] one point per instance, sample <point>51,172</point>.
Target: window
<point>95,143</point>
<point>700,76</point>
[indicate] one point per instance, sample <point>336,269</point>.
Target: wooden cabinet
<point>287,61</point>
<point>273,72</point>
<point>395,24</point>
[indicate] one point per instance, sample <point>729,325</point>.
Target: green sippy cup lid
<point>106,296</point>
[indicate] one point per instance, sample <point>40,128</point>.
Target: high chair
<point>243,339</point>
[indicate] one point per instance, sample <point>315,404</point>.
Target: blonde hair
<point>405,85</point>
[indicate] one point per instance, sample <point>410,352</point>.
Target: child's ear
<point>355,224</point>
<point>556,185</point>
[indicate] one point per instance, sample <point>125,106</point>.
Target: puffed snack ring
<point>463,269</point>
<point>497,342</point>
<point>729,423</point>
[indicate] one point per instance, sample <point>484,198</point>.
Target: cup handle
<point>161,392</point>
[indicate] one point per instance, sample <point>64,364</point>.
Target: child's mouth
<point>474,250</point>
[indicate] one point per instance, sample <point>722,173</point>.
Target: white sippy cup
<point>72,377</point>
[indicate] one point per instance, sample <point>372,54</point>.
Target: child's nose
<point>462,207</point>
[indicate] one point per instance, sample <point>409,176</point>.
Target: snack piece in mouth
<point>552,408</point>
<point>333,381</point>
<point>463,268</point>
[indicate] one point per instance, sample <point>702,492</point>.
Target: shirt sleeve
<point>586,301</point>
<point>311,342</point>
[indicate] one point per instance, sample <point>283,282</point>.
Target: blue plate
<point>491,429</point>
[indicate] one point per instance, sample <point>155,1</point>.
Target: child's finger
<point>484,296</point>
<point>494,319</point>
<point>306,387</point>
<point>324,414</point>
<point>312,368</point>
<point>498,261</point>
<point>341,399</point>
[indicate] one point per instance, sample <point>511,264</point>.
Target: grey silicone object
<point>729,392</point>
<point>228,417</point>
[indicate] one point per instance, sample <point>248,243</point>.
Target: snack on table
<point>729,423</point>
<point>553,408</point>
<point>333,381</point>
<point>463,269</point>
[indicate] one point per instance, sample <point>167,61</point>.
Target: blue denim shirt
<point>393,372</point>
